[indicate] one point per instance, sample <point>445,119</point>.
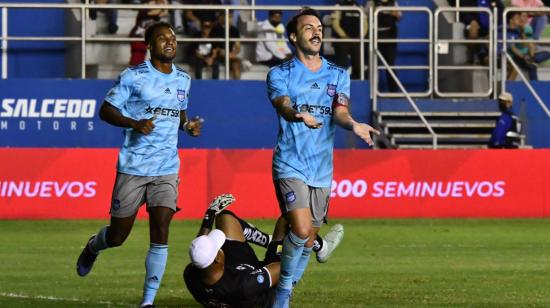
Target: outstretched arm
<point>342,117</point>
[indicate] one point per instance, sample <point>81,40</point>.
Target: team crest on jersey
<point>181,95</point>
<point>331,89</point>
<point>260,279</point>
<point>290,197</point>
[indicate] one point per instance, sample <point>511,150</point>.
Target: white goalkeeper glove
<point>221,202</point>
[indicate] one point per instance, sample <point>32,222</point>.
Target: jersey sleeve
<point>187,88</point>
<point>119,94</point>
<point>277,84</point>
<point>342,97</point>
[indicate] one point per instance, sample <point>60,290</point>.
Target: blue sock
<point>301,266</point>
<point>100,241</point>
<point>155,263</point>
<point>292,250</point>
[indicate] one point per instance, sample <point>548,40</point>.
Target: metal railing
<point>506,58</point>
<point>376,41</point>
<point>491,68</point>
<point>409,98</point>
<point>84,38</point>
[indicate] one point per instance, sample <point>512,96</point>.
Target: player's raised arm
<point>113,116</point>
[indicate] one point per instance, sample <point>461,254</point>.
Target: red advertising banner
<point>76,183</point>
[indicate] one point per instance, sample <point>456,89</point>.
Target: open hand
<point>309,120</point>
<point>363,131</point>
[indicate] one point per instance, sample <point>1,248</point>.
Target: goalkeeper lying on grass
<point>225,271</point>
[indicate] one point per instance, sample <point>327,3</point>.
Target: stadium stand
<point>456,96</point>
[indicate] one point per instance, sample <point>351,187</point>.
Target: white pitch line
<point>61,299</point>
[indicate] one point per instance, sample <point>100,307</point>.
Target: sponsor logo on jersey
<point>314,109</point>
<point>167,91</point>
<point>331,90</point>
<point>315,86</point>
<point>163,111</point>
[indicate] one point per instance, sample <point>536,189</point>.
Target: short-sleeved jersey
<point>245,282</point>
<point>142,92</point>
<point>301,152</point>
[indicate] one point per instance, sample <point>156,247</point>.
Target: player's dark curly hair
<point>151,29</point>
<point>292,25</point>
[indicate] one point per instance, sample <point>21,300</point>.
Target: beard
<point>164,58</point>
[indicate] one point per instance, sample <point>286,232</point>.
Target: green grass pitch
<point>380,263</point>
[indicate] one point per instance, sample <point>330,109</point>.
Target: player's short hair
<point>292,25</point>
<point>152,28</point>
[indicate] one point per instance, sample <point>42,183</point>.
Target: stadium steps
<point>459,124</point>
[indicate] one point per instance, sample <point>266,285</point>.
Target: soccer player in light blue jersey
<point>311,96</point>
<point>149,101</point>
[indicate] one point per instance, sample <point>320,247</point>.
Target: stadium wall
<point>38,183</point>
<point>57,159</point>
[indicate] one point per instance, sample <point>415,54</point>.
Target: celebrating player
<point>224,270</point>
<point>310,95</point>
<point>149,101</point>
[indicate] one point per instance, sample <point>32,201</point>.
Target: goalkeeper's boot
<point>86,259</point>
<point>330,241</point>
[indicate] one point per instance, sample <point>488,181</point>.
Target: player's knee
<point>302,232</point>
<point>225,216</point>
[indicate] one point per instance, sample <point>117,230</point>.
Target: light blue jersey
<point>302,152</point>
<point>142,92</point>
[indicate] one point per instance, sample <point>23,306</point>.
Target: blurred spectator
<point>218,31</point>
<point>111,14</point>
<point>538,20</point>
<point>193,18</point>
<point>506,133</point>
<point>524,54</point>
<point>204,52</point>
<point>274,52</point>
<point>477,25</point>
<point>387,29</point>
<point>145,18</point>
<point>346,24</point>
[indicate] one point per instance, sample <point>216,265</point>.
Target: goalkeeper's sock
<point>318,243</point>
<point>292,251</point>
<point>301,266</point>
<point>155,263</point>
<point>99,242</point>
<point>254,235</point>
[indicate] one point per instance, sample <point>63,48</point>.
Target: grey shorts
<point>295,194</point>
<point>132,191</point>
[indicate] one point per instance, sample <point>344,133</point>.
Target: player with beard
<point>149,101</point>
<point>311,96</point>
